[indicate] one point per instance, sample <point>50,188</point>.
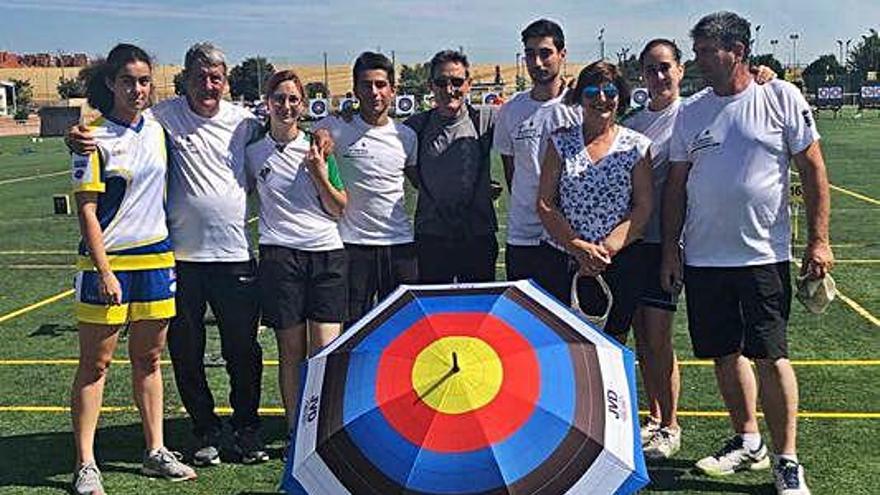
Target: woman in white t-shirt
<point>302,270</point>
<point>594,199</point>
<point>126,266</point>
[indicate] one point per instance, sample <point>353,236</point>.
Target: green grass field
<point>837,354</point>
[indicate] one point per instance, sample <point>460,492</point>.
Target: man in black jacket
<point>455,221</point>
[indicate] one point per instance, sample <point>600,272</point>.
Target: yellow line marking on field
<point>859,309</point>
<point>842,245</point>
<point>279,411</point>
<point>36,305</point>
<point>856,262</point>
<point>31,177</point>
<point>804,362</point>
<point>252,219</point>
<point>855,194</point>
<point>800,414</point>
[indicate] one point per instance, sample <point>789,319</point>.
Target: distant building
<point>8,60</point>
<point>13,60</point>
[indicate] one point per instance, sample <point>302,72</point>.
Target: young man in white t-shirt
<point>207,218</point>
<point>520,140</point>
<point>730,150</point>
<point>372,151</point>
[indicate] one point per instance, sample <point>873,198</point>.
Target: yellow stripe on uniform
<point>152,310</point>
<point>131,261</point>
<point>101,314</point>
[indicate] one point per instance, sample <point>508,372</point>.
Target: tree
<point>24,95</point>
<point>413,80</point>
<point>693,79</point>
<point>73,87</point>
<point>315,88</point>
<point>768,60</point>
<point>180,83</point>
<point>865,56</point>
<point>823,71</point>
<point>248,79</point>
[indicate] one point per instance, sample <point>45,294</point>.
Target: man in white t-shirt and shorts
<point>520,139</point>
<point>728,187</point>
<point>372,151</point>
<point>207,218</point>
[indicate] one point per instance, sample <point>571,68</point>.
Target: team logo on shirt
<point>704,140</point>
<point>526,131</point>
<point>184,144</point>
<point>357,150</point>
<point>264,172</point>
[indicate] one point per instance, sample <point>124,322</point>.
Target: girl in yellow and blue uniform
<point>126,264</point>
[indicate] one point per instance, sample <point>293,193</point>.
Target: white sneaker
<point>733,457</point>
<point>649,426</point>
<point>789,476</point>
<point>664,444</point>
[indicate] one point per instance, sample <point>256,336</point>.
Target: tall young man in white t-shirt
<point>207,217</point>
<point>519,139</point>
<point>730,154</point>
<point>372,151</point>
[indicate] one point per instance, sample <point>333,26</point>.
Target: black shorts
<point>740,309</point>
<point>523,262</point>
<point>374,272</point>
<point>653,294</point>
<point>623,277</point>
<point>443,260</point>
<point>297,285</point>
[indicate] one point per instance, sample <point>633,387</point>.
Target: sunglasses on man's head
<point>443,81</point>
<point>609,90</point>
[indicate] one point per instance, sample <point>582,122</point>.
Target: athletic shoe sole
<point>755,466</point>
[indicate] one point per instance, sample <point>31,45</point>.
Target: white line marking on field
<point>31,177</point>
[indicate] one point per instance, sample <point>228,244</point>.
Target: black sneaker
<point>249,446</point>
<point>208,453</point>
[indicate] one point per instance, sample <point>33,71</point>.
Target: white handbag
<point>598,320</point>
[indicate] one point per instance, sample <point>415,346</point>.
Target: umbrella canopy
<point>468,389</point>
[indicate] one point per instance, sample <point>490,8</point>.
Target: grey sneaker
<point>162,463</point>
<point>649,426</point>
<point>249,446</point>
<point>664,444</point>
<point>733,457</point>
<point>87,480</point>
<point>789,478</point>
<point>208,453</point>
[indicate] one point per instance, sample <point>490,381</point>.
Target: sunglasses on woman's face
<point>609,90</point>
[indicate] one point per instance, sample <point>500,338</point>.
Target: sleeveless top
<point>596,196</point>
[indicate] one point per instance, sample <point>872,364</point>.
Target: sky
<point>300,31</point>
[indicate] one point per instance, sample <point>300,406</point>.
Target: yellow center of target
<point>455,375</point>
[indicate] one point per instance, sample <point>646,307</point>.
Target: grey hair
<point>203,54</point>
<point>725,27</point>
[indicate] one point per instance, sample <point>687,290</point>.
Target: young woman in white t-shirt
<point>302,272</point>
<point>126,265</point>
<point>594,199</point>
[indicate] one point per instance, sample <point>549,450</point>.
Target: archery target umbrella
<point>468,389</point>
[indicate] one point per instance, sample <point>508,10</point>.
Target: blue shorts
<point>146,295</point>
